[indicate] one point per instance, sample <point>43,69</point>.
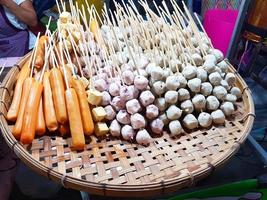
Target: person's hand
<point>4,2</point>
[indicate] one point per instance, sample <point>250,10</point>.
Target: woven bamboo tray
<point>112,167</point>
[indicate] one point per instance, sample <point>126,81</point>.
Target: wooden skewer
<point>2,69</point>
<point>33,56</point>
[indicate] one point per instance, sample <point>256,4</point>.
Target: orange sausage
<point>16,131</point>
<point>75,119</point>
<point>31,113</point>
<point>70,79</point>
<point>14,108</point>
<point>40,124</point>
<point>49,109</point>
<point>40,52</point>
<point>58,90</point>
<point>64,130</point>
<point>88,124</point>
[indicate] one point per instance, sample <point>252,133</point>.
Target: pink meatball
<point>135,91</point>
<point>126,93</point>
<point>133,106</point>
<point>111,114</point>
<point>114,89</point>
<point>101,85</point>
<point>157,126</point>
<point>146,98</point>
<point>123,117</point>
<point>140,82</point>
<point>127,132</point>
<point>138,121</point>
<point>115,128</point>
<point>106,99</point>
<point>118,103</point>
<point>128,77</point>
<point>152,111</point>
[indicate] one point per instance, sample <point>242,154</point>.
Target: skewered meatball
<point>163,117</point>
<point>189,72</point>
<point>114,89</point>
<point>230,79</point>
<point>127,132</point>
<point>118,103</point>
<point>143,137</point>
<point>215,78</point>
<point>218,117</point>
<point>159,87</point>
<point>135,91</point>
<point>106,99</point>
<point>111,114</point>
<point>161,104</point>
<point>138,121</point>
<point>133,106</point>
<point>126,93</point>
<point>218,54</point>
<point>227,108</point>
<point>220,92</point>
<point>225,85</point>
<point>157,126</point>
<point>223,66</point>
<point>183,94</point>
<point>182,81</point>
<point>101,85</point>
<point>140,82</point>
<point>199,102</point>
<point>146,98</point>
<point>187,106</point>
<point>152,111</point>
<point>175,128</point>
<point>128,77</point>
<point>202,74</point>
<point>237,92</point>
<point>173,112</point>
<point>212,103</point>
<point>209,66</point>
<point>204,119</point>
<point>230,97</point>
<point>171,97</point>
<point>206,89</point>
<point>172,82</point>
<point>115,128</point>
<point>190,121</point>
<point>157,73</point>
<point>197,59</point>
<point>123,117</point>
<point>194,85</point>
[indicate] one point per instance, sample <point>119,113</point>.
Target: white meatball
<point>123,117</point>
<point>215,78</point>
<point>182,81</point>
<point>111,114</point>
<point>220,92</point>
<point>227,108</point>
<point>172,82</point>
<point>237,92</point>
<point>161,104</point>
<point>166,73</point>
<point>175,128</point>
<point>175,65</point>
<point>230,97</point>
<point>118,103</point>
<point>223,66</point>
<point>133,106</point>
<point>106,99</point>
<point>209,66</point>
<point>202,74</point>
<point>159,87</point>
<point>115,128</point>
<point>128,77</point>
<point>173,112</point>
<point>230,79</point>
<point>190,121</point>
<point>100,85</point>
<point>187,106</point>
<point>150,67</point>
<point>218,117</point>
<point>183,94</point>
<point>143,137</point>
<point>225,85</point>
<point>199,102</point>
<point>126,93</point>
<point>194,85</point>
<point>114,89</point>
<point>140,82</point>
<point>206,88</point>
<point>197,59</point>
<point>189,72</point>
<point>210,57</point>
<point>146,98</point>
<point>157,73</point>
<point>134,90</point>
<point>204,119</point>
<point>138,121</point>
<point>163,117</point>
<point>127,132</point>
<point>218,54</point>
<point>152,111</point>
<point>212,103</point>
<point>171,97</point>
<point>157,126</point>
